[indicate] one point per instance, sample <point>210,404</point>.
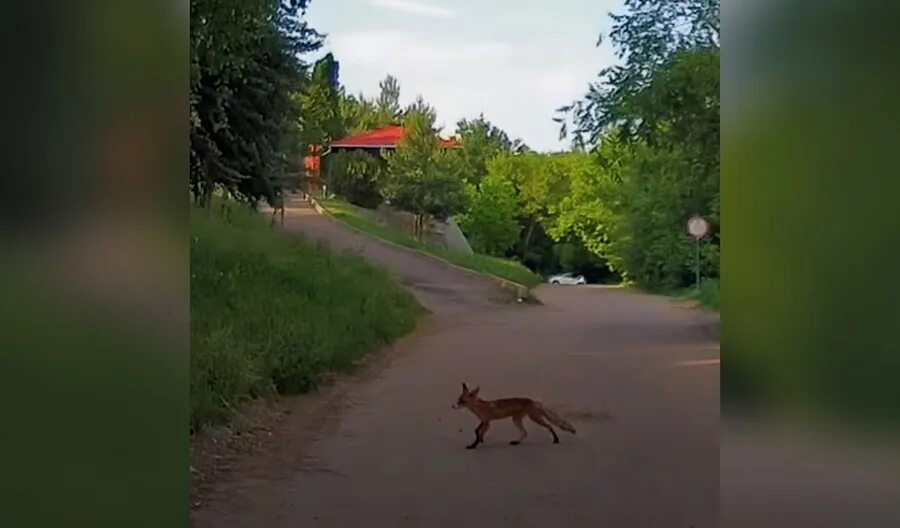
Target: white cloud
<point>394,51</point>
<point>517,87</point>
<point>416,8</point>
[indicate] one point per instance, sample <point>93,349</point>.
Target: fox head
<point>467,397</point>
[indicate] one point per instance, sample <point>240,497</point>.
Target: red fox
<point>515,408</point>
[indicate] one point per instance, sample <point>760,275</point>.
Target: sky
<point>516,61</point>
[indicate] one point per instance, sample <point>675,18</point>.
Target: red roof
<point>387,137</point>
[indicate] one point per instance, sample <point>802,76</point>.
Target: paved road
<point>636,374</point>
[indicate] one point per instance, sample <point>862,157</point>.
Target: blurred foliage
<point>809,167</point>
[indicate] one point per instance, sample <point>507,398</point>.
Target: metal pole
<point>698,262</point>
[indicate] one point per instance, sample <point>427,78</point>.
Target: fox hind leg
<point>537,418</point>
<point>517,420</point>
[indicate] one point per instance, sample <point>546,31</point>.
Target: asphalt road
<point>637,375</point>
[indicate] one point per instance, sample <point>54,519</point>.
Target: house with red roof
<point>371,140</point>
<point>383,138</point>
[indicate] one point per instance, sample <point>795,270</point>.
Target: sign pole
<point>697,227</point>
<point>698,263</point>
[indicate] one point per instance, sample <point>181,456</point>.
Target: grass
<point>503,268</point>
<point>707,294</point>
<point>270,313</point>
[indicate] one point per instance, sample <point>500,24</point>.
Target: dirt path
<point>637,375</point>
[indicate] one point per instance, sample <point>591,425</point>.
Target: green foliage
<point>490,221</point>
<point>355,175</point>
<point>707,294</point>
<point>269,312</point>
<point>423,178</point>
<point>647,242</point>
<point>420,107</point>
<point>387,106</point>
<point>320,119</point>
<point>573,256</point>
<point>656,116</point>
<point>504,268</point>
<point>244,70</point>
<point>646,35</point>
<point>586,212</point>
<point>359,113</point>
<point>629,204</point>
<point>539,181</point>
<point>481,141</point>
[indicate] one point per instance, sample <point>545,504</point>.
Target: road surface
<point>636,374</point>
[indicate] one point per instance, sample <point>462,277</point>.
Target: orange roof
<point>387,137</point>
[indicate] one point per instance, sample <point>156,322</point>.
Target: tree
<point>320,120</point>
<point>388,103</point>
<point>481,141</point>
<point>357,113</point>
<point>419,106</point>
<point>423,178</point>
<point>540,182</point>
<point>244,69</point>
<point>656,117</point>
<point>647,242</point>
<point>646,36</point>
<point>490,223</point>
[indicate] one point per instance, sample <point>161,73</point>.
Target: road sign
<point>697,227</point>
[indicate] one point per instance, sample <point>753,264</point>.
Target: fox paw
<point>514,442</point>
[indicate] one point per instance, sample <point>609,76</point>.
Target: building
<point>383,138</point>
<point>371,141</point>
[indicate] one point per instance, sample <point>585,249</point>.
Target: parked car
<point>567,278</point>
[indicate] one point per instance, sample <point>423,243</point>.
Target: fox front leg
<point>479,435</point>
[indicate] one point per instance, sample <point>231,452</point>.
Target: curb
<point>521,291</point>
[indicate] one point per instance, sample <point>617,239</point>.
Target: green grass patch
<point>269,312</point>
<point>707,294</point>
<point>504,268</point>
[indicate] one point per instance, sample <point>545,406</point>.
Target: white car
<point>567,278</point>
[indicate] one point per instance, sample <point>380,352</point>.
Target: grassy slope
<point>268,311</point>
<point>507,269</point>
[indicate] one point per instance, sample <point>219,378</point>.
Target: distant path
<point>636,374</point>
<point>440,287</point>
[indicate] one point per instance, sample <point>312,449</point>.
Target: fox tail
<point>557,420</point>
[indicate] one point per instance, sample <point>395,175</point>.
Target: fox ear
<point>465,389</point>
<point>474,392</point>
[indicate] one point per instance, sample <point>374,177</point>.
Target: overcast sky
<point>514,60</point>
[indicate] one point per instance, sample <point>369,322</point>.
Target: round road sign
<point>698,227</point>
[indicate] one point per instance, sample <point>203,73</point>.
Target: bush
<point>356,176</point>
<point>707,294</point>
<point>270,313</point>
<point>490,222</point>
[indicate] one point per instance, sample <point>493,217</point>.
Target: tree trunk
<point>527,239</point>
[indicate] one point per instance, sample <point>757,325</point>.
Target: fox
<point>277,205</point>
<point>515,408</point>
